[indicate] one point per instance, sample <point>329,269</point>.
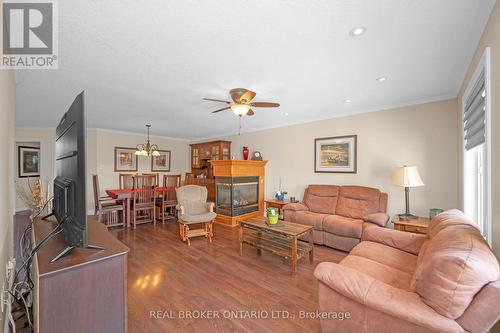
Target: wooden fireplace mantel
<point>241,168</point>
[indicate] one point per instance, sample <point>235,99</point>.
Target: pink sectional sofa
<point>337,213</point>
<point>394,281</point>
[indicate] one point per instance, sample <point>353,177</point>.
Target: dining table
<point>126,194</point>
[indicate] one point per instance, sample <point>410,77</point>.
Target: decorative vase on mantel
<point>245,153</point>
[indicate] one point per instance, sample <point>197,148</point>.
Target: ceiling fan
<point>242,102</point>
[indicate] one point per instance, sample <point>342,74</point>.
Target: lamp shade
<point>407,176</point>
<point>240,109</point>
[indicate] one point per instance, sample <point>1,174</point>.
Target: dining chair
<point>126,180</point>
<point>167,203</point>
<point>188,178</point>
<point>156,174</point>
<point>142,202</point>
<point>106,205</point>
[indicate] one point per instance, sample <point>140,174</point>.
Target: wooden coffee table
<point>281,240</point>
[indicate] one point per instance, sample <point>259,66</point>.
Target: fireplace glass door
<point>236,196</point>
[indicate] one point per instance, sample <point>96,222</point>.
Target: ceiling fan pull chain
<point>239,130</point>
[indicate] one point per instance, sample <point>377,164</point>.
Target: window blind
<point>475,115</point>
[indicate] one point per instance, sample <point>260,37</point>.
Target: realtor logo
<point>29,35</point>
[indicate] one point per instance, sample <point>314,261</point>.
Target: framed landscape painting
<point>336,154</point>
<point>28,161</point>
<point>161,163</point>
<point>125,159</point>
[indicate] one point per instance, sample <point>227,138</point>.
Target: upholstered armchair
<point>194,210</point>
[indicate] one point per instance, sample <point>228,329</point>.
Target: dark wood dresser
<point>85,291</point>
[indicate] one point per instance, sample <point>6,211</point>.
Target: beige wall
<point>422,135</point>
<point>45,139</point>
<point>100,149</point>
<point>7,109</point>
<point>107,140</point>
<point>491,38</point>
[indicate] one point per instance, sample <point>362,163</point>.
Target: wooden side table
<point>273,203</point>
<point>418,226</point>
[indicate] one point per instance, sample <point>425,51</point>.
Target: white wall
<point>422,135</point>
<point>100,153</point>
<point>7,109</point>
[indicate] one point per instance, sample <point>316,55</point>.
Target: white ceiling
<point>152,61</point>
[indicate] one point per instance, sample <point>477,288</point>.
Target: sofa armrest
<point>296,206</point>
<point>382,297</point>
<point>380,219</point>
<point>404,241</point>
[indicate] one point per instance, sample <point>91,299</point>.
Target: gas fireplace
<point>236,195</point>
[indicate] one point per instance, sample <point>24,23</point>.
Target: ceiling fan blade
<point>247,96</point>
<point>236,94</point>
<point>216,100</point>
<point>265,104</point>
<point>219,110</point>
<point>250,112</point>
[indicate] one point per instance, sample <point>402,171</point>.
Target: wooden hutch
<point>203,152</point>
<point>201,169</point>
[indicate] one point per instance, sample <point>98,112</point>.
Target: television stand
<point>69,248</point>
<point>84,278</point>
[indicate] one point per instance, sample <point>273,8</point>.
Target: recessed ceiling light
<point>357,31</point>
<point>347,101</point>
<point>286,114</point>
<point>381,79</point>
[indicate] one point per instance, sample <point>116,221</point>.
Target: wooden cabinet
<point>203,152</point>
<point>85,291</point>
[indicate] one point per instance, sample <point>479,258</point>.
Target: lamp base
<point>406,216</point>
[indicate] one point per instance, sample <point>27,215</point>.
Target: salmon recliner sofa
<point>394,281</point>
<point>338,213</point>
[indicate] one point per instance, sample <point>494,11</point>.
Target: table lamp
<point>407,176</point>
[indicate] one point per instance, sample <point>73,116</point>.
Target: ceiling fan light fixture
<point>240,109</point>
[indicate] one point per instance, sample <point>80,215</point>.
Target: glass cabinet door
<point>215,152</point>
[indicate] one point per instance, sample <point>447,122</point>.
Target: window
<point>476,147</point>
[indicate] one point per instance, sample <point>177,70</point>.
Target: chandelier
<point>147,149</point>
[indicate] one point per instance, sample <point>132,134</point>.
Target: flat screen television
<point>69,206</point>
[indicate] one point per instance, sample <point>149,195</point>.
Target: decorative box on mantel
<point>239,190</point>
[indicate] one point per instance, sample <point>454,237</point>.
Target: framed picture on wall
<point>161,163</point>
<point>28,161</point>
<point>336,154</point>
<point>125,159</point>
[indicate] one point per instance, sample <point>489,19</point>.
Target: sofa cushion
<point>386,255</point>
<point>341,243</point>
<point>378,271</point>
<point>343,226</point>
<point>357,201</point>
<point>321,198</point>
<point>456,264</point>
<point>309,218</point>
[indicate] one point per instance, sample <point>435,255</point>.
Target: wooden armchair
<point>142,203</point>
<point>106,205</point>
<point>194,209</point>
<point>167,203</point>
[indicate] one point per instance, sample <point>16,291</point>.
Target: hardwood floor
<point>166,275</point>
